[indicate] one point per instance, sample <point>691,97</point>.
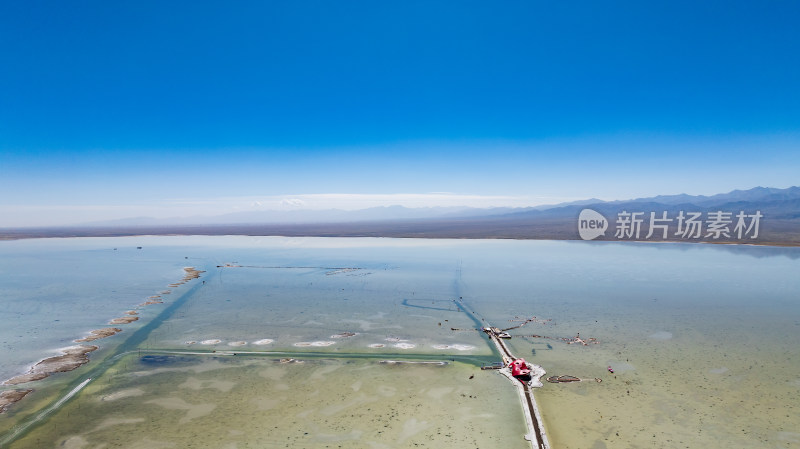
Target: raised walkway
<point>536,434</point>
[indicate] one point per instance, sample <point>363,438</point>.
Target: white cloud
<point>353,201</point>
<point>294,202</point>
<point>57,215</point>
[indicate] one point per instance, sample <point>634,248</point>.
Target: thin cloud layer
<point>65,214</point>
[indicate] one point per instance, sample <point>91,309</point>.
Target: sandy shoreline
<point>9,397</point>
<point>99,333</point>
<point>75,356</point>
<point>124,320</point>
<point>72,357</point>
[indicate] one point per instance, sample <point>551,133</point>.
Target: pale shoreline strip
<point>16,430</point>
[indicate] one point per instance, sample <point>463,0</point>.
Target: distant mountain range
<point>779,223</point>
<point>779,202</point>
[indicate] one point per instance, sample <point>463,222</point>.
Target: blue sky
<point>116,109</point>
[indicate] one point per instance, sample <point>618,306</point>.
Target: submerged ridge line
<point>475,360</point>
<point>137,337</point>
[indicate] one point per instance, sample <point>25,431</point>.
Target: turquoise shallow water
<point>703,339</point>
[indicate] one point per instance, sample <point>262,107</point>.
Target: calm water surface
<point>703,341</point>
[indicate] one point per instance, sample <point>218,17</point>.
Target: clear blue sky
<point>113,109</point>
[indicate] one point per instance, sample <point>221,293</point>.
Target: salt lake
<point>349,342</point>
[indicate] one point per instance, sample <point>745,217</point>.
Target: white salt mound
<point>303,344</point>
<point>457,347</point>
<point>661,335</point>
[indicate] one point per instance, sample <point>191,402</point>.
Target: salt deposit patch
<point>74,442</point>
<point>263,341</point>
<point>395,339</point>
<point>115,422</point>
<point>405,345</point>
<point>339,407</point>
<point>661,335</point>
<point>237,343</point>
<point>386,390</point>
<point>147,443</point>
<point>194,383</point>
<point>272,373</point>
<point>620,367</point>
<point>121,394</point>
<point>314,343</point>
<point>457,347</point>
<point>412,427</point>
<point>440,392</point>
<point>376,345</point>
<point>266,403</point>
<point>192,410</point>
<point>212,341</point>
<point>790,437</point>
